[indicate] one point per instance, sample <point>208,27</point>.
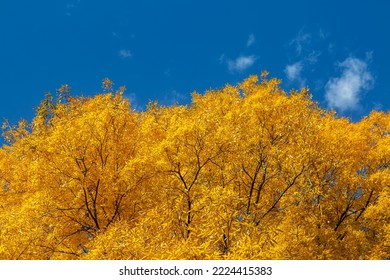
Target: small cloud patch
<point>241,63</point>
<point>345,92</point>
<point>251,40</point>
<point>293,71</point>
<point>124,54</point>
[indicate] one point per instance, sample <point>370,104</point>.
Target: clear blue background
<point>164,50</point>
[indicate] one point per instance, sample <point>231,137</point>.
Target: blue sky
<point>164,50</point>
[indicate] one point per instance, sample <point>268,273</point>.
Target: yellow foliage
<point>243,172</point>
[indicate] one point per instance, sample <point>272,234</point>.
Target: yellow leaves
<point>12,133</point>
<point>63,93</point>
<point>107,84</point>
<point>249,84</point>
<point>243,172</point>
<point>264,74</point>
<point>380,210</point>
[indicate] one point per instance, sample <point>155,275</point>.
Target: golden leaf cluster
<point>242,172</point>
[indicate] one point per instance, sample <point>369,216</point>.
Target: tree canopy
<point>243,172</point>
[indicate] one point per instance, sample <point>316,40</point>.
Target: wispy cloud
<point>70,7</point>
<point>241,63</point>
<point>307,45</point>
<point>345,92</point>
<point>307,49</point>
<point>123,53</point>
<point>312,57</point>
<point>133,101</point>
<point>294,72</point>
<point>221,59</point>
<point>301,41</point>
<point>173,97</point>
<point>251,40</point>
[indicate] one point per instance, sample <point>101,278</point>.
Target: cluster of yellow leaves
<point>244,172</point>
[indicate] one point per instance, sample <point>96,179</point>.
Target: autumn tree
<point>247,171</point>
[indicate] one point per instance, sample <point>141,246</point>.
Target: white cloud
<point>241,63</point>
<point>251,40</point>
<point>125,54</point>
<point>323,34</point>
<point>312,57</point>
<point>301,41</point>
<point>221,59</point>
<point>306,44</point>
<point>294,73</point>
<point>345,92</point>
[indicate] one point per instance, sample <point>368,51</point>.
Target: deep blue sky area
<point>164,50</point>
